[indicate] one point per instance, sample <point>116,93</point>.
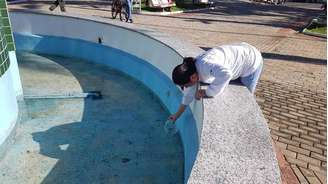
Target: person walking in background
<point>217,67</point>
<point>324,6</point>
<point>129,10</point>
<point>61,4</point>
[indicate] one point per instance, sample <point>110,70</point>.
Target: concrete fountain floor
<point>117,139</point>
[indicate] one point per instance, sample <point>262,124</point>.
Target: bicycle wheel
<point>124,15</point>
<point>114,12</point>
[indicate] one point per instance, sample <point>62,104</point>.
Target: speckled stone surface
<point>235,142</point>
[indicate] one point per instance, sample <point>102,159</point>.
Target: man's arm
<point>188,96</point>
<point>222,78</point>
<point>175,116</point>
<point>202,94</point>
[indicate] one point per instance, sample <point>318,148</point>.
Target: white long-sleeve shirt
<point>221,64</point>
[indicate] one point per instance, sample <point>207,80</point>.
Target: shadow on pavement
<point>282,16</point>
<point>288,58</point>
<point>299,59</point>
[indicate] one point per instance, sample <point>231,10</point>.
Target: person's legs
<point>62,5</point>
<point>129,9</point>
<point>251,81</point>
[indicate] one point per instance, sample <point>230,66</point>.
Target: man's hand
<point>173,117</point>
<point>200,94</point>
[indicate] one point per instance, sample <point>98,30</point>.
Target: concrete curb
<point>304,31</point>
<point>17,1</point>
<point>173,13</point>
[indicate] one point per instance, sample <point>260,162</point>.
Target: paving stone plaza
<point>292,89</point>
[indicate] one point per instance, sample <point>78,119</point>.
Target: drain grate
<point>95,95</point>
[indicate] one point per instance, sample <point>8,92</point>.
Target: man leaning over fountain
<point>217,67</point>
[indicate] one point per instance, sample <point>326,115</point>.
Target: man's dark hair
<point>181,73</point>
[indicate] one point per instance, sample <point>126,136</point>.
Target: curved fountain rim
<point>182,48</point>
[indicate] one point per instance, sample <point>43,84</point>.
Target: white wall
<point>126,40</point>
<point>17,84</point>
<point>10,91</point>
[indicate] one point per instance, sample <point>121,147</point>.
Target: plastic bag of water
<point>170,127</point>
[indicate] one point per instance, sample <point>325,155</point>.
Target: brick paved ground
<point>292,90</point>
